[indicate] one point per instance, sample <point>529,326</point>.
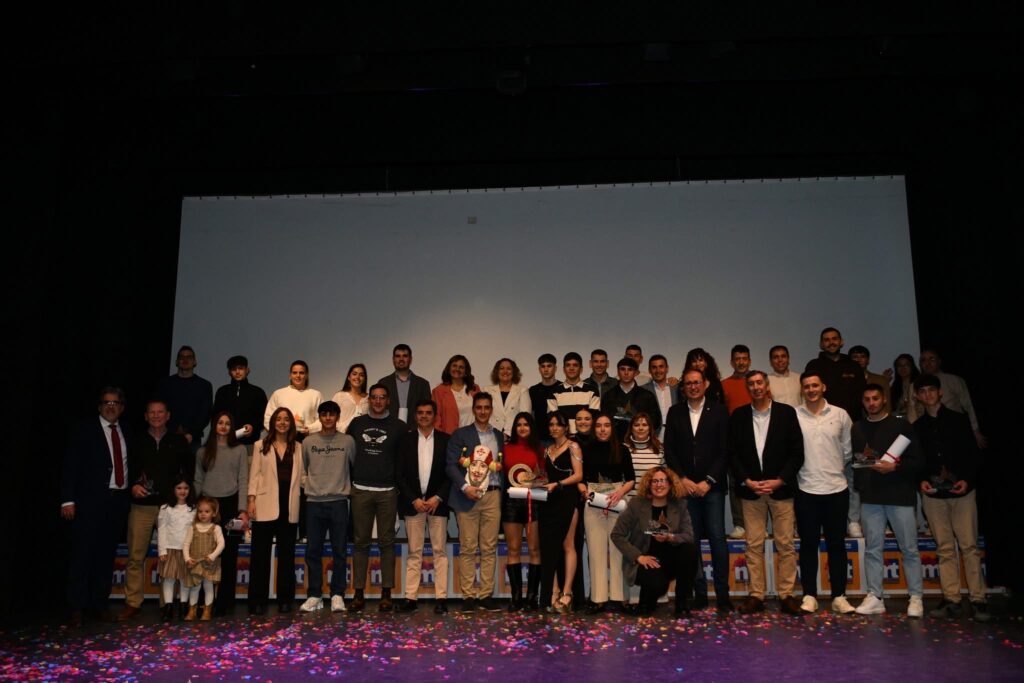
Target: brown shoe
<point>191,614</point>
<point>207,613</point>
<point>358,602</point>
<point>751,605</point>
<point>790,605</point>
<point>128,612</point>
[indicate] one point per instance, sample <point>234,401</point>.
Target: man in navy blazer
<point>666,393</point>
<point>700,457</point>
<point>95,500</point>
<point>421,501</point>
<point>766,447</point>
<point>405,389</point>
<point>478,513</point>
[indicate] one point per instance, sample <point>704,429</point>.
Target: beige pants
<point>605,558</point>
<point>478,529</point>
<point>954,521</point>
<point>415,528</point>
<point>755,516</point>
<point>141,522</point>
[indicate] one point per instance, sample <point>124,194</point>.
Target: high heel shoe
<point>564,604</point>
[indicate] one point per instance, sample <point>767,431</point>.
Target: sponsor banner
<point>373,571</point>
<point>739,576</point>
<point>853,567</point>
<point>501,586</point>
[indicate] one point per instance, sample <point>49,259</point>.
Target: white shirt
<point>761,421</point>
<point>827,449</point>
<point>786,388</point>
<point>464,402</point>
<point>425,450</point>
<point>302,402</point>
<point>349,409</point>
<point>695,414</point>
<point>664,396</point>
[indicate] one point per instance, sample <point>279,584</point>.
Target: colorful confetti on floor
<point>529,646</point>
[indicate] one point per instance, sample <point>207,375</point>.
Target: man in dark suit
<point>766,447</point>
<point>405,389</point>
<point>422,489</point>
<point>95,500</point>
<point>665,390</point>
<point>477,508</point>
<point>696,437</point>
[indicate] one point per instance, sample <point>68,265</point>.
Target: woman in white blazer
<point>509,398</point>
<point>274,510</point>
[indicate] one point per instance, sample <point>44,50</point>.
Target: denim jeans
<point>321,518</point>
<point>903,521</point>
<point>707,515</point>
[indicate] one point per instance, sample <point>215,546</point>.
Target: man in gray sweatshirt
<point>325,477</point>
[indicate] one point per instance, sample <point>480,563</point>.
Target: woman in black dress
<point>563,461</point>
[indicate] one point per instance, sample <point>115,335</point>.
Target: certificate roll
<point>895,451</point>
<point>600,500</point>
<point>539,495</point>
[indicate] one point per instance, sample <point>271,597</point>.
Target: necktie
<point>115,439</point>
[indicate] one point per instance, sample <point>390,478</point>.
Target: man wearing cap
<point>477,508</point>
<point>245,402</point>
<point>325,478</point>
<point>374,494</point>
<point>626,399</point>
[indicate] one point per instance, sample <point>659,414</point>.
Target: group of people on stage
<point>636,465</point>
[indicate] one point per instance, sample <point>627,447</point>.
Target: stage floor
<point>422,646</point>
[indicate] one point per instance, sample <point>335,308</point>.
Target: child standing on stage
<point>172,524</point>
<point>204,542</point>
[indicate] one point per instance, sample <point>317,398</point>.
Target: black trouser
<point>263,534</point>
<point>98,526</point>
<point>228,558</point>
<point>676,563</point>
<point>814,515</point>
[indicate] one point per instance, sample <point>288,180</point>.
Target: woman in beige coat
<point>274,511</point>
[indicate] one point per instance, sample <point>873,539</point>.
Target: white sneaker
<point>842,605</point>
<point>809,604</point>
<point>738,533</point>
<point>337,603</point>
<point>916,608</point>
<point>854,530</point>
<point>870,605</point>
<point>312,605</point>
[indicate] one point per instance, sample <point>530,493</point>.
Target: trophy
<point>148,484</point>
<point>944,481</point>
<point>657,526</point>
<point>865,459</point>
<point>892,454</point>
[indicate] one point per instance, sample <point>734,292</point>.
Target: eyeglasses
<point>110,404</point>
<point>659,481</point>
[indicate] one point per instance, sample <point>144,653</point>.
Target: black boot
<point>515,585</point>
<point>532,587</point>
<point>167,612</point>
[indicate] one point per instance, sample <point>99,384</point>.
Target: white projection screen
<point>517,272</point>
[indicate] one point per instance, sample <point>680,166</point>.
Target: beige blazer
<point>264,485</point>
<point>503,415</point>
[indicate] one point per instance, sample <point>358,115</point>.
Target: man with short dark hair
<point>860,355</point>
<point>696,448</point>
<point>666,393</point>
<point>948,483</point>
<point>160,456</point>
<point>325,479</point>
<point>95,502</point>
<point>637,354</point>
<point>626,399</point>
<point>423,487</point>
<point>405,389</point>
<point>887,483</point>
<point>767,450</point>
<point>374,494</point>
<point>542,392</point>
<point>844,378</point>
<point>572,394</point>
<point>823,497</point>
<point>784,382</point>
<point>244,401</point>
<point>477,506</point>
<point>735,385</point>
<point>599,371</point>
<point>189,398</point>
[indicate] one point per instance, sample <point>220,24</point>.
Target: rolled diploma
<point>539,495</point>
<point>600,500</point>
<point>895,451</point>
